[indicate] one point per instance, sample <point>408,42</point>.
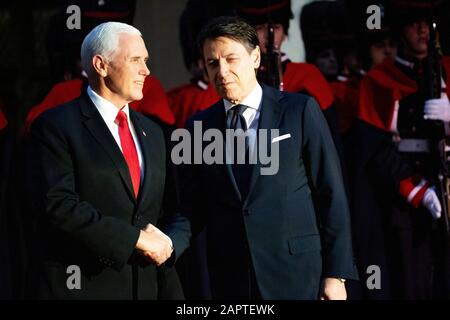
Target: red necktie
<point>129,150</point>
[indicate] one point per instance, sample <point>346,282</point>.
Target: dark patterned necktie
<point>235,118</point>
<point>241,172</point>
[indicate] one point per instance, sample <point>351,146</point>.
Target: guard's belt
<point>414,145</point>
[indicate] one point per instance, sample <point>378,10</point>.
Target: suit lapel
<point>97,127</point>
<point>217,120</point>
<point>270,118</point>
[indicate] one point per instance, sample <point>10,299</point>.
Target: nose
<point>223,68</point>
<point>423,27</point>
<point>388,51</point>
<point>333,59</point>
<point>145,71</point>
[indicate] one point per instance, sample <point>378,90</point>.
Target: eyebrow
<point>226,56</point>
<point>138,57</point>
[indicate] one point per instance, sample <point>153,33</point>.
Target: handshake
<point>154,245</point>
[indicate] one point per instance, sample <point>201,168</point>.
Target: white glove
<point>430,201</point>
<point>437,109</point>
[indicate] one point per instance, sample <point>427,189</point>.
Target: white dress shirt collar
<point>253,100</point>
<point>107,109</point>
<point>251,116</point>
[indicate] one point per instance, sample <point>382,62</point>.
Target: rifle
<point>433,91</point>
<point>270,72</point>
<point>434,69</point>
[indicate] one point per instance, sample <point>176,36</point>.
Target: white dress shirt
<point>109,112</point>
<point>251,114</point>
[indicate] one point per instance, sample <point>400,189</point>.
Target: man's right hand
<point>154,245</point>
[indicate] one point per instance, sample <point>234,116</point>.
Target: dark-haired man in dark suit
<point>269,236</point>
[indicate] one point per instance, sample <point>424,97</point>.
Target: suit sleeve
<point>330,115</point>
<point>325,179</point>
<point>55,194</point>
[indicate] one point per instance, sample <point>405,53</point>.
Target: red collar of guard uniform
<point>382,87</point>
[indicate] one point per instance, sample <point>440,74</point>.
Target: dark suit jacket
<point>88,215</point>
<point>296,221</point>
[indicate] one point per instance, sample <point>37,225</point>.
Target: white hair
<point>103,40</point>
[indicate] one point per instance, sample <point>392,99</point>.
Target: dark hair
<point>234,28</point>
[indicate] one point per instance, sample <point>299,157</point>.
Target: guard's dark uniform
<point>392,151</point>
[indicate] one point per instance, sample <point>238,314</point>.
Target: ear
<point>100,65</point>
<point>256,57</point>
<point>206,74</point>
<point>201,65</point>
